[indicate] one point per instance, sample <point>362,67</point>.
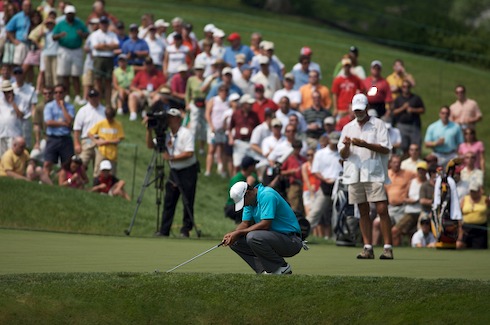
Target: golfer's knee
<point>254,238</point>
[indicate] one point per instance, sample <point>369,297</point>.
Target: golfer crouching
<point>269,230</point>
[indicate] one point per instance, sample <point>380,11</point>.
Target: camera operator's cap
<point>174,112</point>
<point>93,93</point>
<point>70,10</point>
<point>237,194</point>
<point>94,21</point>
<point>182,68</point>
<point>246,98</point>
<point>105,165</point>
<point>233,97</point>
<point>218,33</point>
<point>329,120</point>
<point>227,70</point>
<point>248,161</point>
<point>161,23</point>
<point>104,20</point>
<point>333,137</point>
<point>422,165</point>
<point>276,122</point>
<point>77,159</point>
<point>7,86</point>
<point>359,102</point>
<point>209,28</point>
<point>376,63</point>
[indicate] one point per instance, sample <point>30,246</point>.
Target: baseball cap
<point>376,63</point>
<point>120,25</point>
<point>226,70</point>
<point>199,66</point>
<point>233,37</point>
<point>237,194</point>
<point>305,50</point>
<point>289,76</point>
<point>182,68</point>
<point>209,28</point>
<point>359,102</point>
<point>354,49</point>
<point>474,185</point>
<point>161,23</point>
<point>259,87</point>
<point>122,56</point>
<point>263,59</point>
<point>70,10</point>
<point>104,20</point>
<point>93,93</point>
<point>174,112</point>
<point>267,45</point>
<point>276,122</point>
<point>346,61</point>
<point>248,161</point>
<point>17,70</point>
<point>105,165</point>
<point>246,98</point>
<point>233,97</point>
<point>94,21</point>
<point>76,159</point>
<point>133,27</point>
<point>6,85</point>
<point>425,220</point>
<point>422,165</point>
<point>329,120</point>
<point>334,137</point>
<point>218,33</point>
<point>245,67</point>
<point>240,58</point>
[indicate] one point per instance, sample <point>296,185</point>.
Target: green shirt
<point>71,40</point>
<point>193,89</point>
<point>124,78</point>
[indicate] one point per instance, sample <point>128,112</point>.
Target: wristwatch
<point>69,180</point>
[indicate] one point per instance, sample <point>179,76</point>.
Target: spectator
<point>356,68</point>
<point>288,91</point>
<point>273,140</point>
<point>413,159</point>
<point>33,56</point>
<point>208,35</point>
<point>464,111</point>
<point>109,184</point>
<point>424,237</point>
<point>27,103</point>
<point>178,84</point>
<point>307,53</point>
<point>242,123</point>
<point>235,48</point>
<point>291,168</point>
<point>206,58</point>
<point>285,112</point>
<point>86,117</point>
<point>216,111</point>
<point>255,40</point>
<point>162,26</point>
<point>104,42</point>
<point>471,144</point>
<point>301,74</point>
<point>462,187</point>
<point>243,79</point>
<point>48,63</point>
<point>195,100</point>
<point>88,65</point>
<point>46,7</point>
<point>15,163</point>
<point>122,36</point>
<point>107,134</point>
<point>146,24</point>
<point>70,34</point>
<point>275,65</point>
<point>17,32</point>
<point>426,197</point>
<point>98,11</point>
<point>311,183</point>
<point>344,88</point>
<point>444,137</point>
<point>218,50</point>
<point>135,48</point>
<point>227,80</point>
<point>366,181</point>
<point>58,118</point>
<point>269,79</point>
<point>262,132</point>
<point>378,91</point>
<point>470,173</point>
<point>408,223</point>
<point>395,137</point>
<point>38,119</point>
<point>122,77</point>
<point>177,26</point>
<point>397,78</point>
<point>475,218</point>
<point>307,90</point>
<point>406,116</point>
<point>144,88</point>
<point>10,116</point>
<point>191,43</point>
<point>262,103</point>
<point>314,117</point>
<point>182,178</point>
<point>72,174</point>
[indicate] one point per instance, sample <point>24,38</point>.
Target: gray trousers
<point>265,250</point>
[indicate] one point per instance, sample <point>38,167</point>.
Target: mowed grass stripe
<point>45,252</point>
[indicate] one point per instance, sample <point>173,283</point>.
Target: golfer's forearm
<point>345,152</point>
<point>378,148</point>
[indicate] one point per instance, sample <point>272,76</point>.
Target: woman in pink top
<point>72,174</point>
<point>471,144</point>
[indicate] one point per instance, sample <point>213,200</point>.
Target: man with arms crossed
<point>364,145</point>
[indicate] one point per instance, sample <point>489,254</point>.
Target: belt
<point>445,153</point>
<point>59,136</point>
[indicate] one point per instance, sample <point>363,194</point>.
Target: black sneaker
<point>366,254</point>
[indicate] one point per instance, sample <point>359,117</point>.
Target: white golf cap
<point>182,68</point>
<point>237,194</point>
<point>263,59</point>
<point>359,102</point>
<point>218,33</point>
<point>233,97</point>
<point>105,165</point>
<point>209,28</point>
<point>70,10</point>
<point>226,70</point>
<point>161,23</point>
<point>174,112</point>
<point>376,63</point>
<point>246,98</point>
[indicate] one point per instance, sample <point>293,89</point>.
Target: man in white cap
<point>182,180</point>
<point>10,116</point>
<point>364,145</point>
<point>208,34</point>
<point>269,230</point>
<point>108,183</point>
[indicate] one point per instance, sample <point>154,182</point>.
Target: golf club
<point>203,253</point>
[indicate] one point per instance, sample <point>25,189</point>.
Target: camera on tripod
<point>158,121</point>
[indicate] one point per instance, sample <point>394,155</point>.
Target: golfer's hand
<point>358,142</point>
<point>230,238</point>
<point>347,141</point>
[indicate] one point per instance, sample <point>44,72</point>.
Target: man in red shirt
<point>378,90</point>
<point>262,103</point>
<point>292,170</point>
<point>344,88</point>
<point>178,84</point>
<point>145,87</point>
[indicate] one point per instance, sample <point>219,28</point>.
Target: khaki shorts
<point>103,67</point>
<point>20,53</point>
<point>88,151</point>
<point>69,62</point>
<point>367,192</point>
<point>88,78</point>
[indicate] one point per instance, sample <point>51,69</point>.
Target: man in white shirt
<point>411,162</point>
<point>27,96</point>
<point>288,91</point>
<point>104,42</point>
<point>364,145</point>
<point>269,79</point>
<point>86,117</point>
<point>424,237</point>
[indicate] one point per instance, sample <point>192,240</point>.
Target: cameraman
<point>179,152</point>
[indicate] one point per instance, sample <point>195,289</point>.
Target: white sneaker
<point>207,174</point>
<point>133,116</point>
<point>120,111</point>
<point>283,270</point>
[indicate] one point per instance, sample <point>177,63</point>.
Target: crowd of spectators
<point>241,100</point>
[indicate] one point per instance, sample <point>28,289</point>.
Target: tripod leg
<point>146,183</point>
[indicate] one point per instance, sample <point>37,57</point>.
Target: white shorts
<point>69,62</point>
<point>367,192</point>
<point>20,53</point>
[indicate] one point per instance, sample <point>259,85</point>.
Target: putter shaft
<point>188,261</point>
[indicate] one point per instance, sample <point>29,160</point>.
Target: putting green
<point>40,252</point>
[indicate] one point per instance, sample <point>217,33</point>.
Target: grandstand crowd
<point>252,117</point>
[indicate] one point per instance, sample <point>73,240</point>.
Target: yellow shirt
<point>474,213</point>
<point>17,164</point>
<point>108,131</point>
<point>395,80</point>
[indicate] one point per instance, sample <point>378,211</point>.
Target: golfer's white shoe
<point>283,270</point>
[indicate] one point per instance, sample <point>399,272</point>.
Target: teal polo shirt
<point>271,206</point>
<point>451,132</point>
<point>72,40</point>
